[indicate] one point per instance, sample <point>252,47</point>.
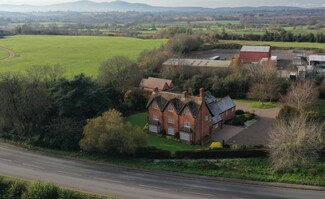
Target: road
<point>105,179</point>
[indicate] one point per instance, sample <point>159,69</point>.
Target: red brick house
<point>193,117</point>
<point>149,85</point>
<point>249,54</point>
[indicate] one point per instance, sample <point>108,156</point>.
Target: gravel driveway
<point>257,134</point>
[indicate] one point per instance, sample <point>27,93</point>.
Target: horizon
<point>185,3</point>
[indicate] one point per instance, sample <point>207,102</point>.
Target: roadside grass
<point>77,54</point>
<point>3,54</point>
<point>278,44</point>
<point>321,107</point>
<point>258,169</point>
<point>17,188</point>
<point>141,119</point>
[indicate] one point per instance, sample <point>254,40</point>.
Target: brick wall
<point>170,114</point>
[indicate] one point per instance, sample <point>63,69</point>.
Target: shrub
<point>215,145</point>
<point>146,128</point>
<point>240,112</point>
<point>16,190</point>
<point>38,190</point>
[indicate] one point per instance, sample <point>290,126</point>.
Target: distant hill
<point>121,6</point>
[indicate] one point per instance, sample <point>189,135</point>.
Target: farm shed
<point>249,54</point>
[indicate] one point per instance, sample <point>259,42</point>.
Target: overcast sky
<point>201,3</point>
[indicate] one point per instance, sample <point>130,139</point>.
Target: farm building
<point>250,54</point>
<point>152,83</point>
<point>201,64</point>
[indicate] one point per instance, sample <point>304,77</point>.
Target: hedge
<point>212,154</point>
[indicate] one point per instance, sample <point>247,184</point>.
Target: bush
<point>38,190</point>
<point>240,112</point>
<point>146,128</point>
<point>215,145</point>
<point>16,190</point>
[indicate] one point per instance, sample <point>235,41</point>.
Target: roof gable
<point>152,82</point>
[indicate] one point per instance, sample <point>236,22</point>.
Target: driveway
<point>256,134</point>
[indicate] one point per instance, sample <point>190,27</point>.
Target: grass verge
<point>15,188</point>
<point>264,105</point>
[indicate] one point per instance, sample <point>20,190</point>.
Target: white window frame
<point>188,136</point>
<point>170,108</point>
<point>155,117</point>
<point>171,131</point>
<point>186,111</point>
<point>187,124</point>
<point>171,120</point>
<point>155,105</point>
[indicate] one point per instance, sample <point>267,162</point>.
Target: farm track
<point>11,53</point>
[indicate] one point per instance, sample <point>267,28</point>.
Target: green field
<point>140,120</point>
<point>78,54</point>
<point>3,54</point>
<point>278,44</point>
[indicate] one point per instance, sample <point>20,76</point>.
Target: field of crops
<point>280,44</point>
<point>78,54</point>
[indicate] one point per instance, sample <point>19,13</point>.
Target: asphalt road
<point>100,178</point>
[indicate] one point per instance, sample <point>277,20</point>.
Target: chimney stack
<point>202,93</point>
<point>184,94</point>
<point>190,91</point>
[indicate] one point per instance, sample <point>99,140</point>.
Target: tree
<point>110,135</point>
<point>302,95</point>
<point>47,74</point>
<point>296,143</point>
<point>24,104</point>
<point>120,72</point>
<point>81,97</point>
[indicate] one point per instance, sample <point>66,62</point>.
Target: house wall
<point>155,111</point>
<point>168,114</point>
<point>183,117</point>
<point>203,126</point>
<point>254,56</point>
<point>228,115</point>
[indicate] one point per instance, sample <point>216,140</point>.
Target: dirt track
<point>11,53</point>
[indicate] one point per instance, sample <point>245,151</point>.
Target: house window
<point>206,118</point>
<point>155,117</point>
<point>171,131</point>
<point>226,113</point>
<point>155,105</point>
<point>185,136</point>
<point>216,126</point>
<point>187,124</point>
<point>171,120</point>
<point>186,111</point>
<point>170,108</point>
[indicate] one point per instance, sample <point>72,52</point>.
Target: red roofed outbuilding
<point>150,84</point>
<point>249,54</point>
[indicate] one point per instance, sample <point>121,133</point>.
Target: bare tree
<point>296,143</point>
<point>303,96</point>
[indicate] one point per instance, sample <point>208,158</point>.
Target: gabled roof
<point>153,83</point>
<point>226,103</point>
<point>217,107</point>
<point>255,49</point>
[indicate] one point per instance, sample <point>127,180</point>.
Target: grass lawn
<point>278,44</point>
<point>140,120</point>
<point>264,105</point>
<point>77,54</point>
<point>3,54</point>
<point>257,104</point>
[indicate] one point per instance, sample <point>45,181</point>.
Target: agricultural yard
<point>77,54</point>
